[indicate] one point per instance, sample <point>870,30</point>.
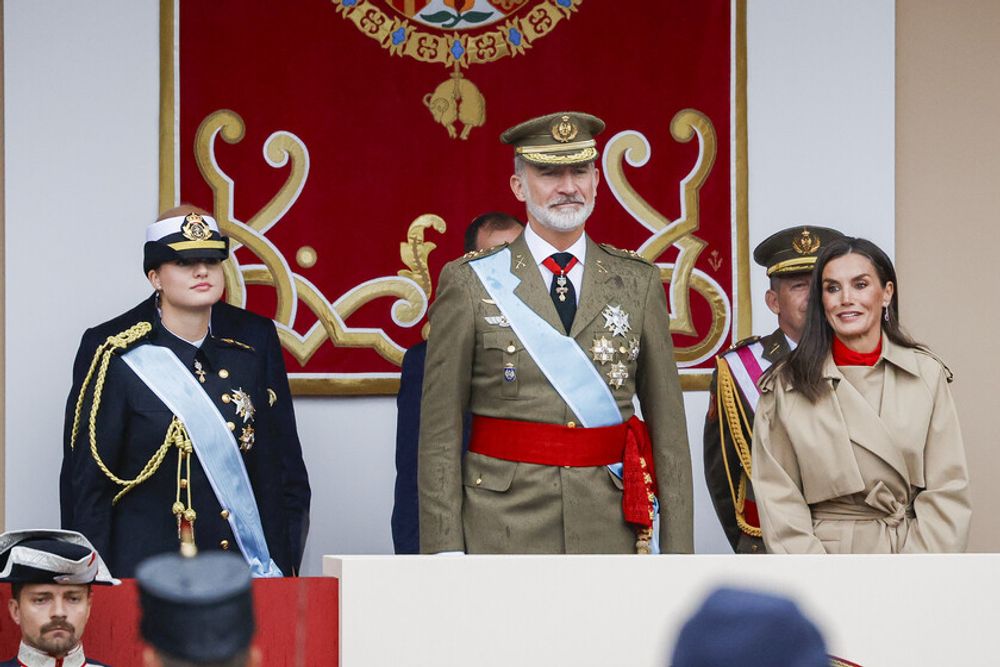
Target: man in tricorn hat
<point>546,341</point>
<point>789,257</point>
<point>196,611</point>
<point>50,573</point>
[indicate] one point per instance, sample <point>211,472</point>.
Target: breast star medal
<point>603,350</point>
<point>617,375</point>
<point>616,320</point>
<point>633,348</point>
<point>243,404</point>
<point>246,439</point>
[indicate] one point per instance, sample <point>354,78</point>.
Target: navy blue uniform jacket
<point>132,423</point>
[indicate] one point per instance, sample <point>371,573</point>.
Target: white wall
<point>81,104</point>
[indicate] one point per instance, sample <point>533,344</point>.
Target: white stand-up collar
<point>30,656</point>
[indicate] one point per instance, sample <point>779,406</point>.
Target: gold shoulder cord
<point>728,404</point>
<point>176,435</point>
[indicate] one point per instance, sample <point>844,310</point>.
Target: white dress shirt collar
<point>542,249</point>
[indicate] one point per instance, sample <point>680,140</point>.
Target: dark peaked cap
<point>198,609</point>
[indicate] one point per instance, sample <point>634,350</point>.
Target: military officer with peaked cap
<point>180,424</point>
<point>196,611</point>
<point>546,341</point>
<point>789,257</point>
<point>51,573</point>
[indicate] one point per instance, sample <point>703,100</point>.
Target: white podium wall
<point>81,108</point>
<point>493,611</point>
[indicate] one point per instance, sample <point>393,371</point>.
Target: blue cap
<point>749,629</point>
<point>198,609</point>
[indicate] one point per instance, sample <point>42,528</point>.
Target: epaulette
<point>485,252</point>
<point>627,254</point>
<point>236,343</point>
<point>749,340</point>
<point>926,352</point>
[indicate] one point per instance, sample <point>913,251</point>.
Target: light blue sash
<point>564,363</point>
<point>214,444</point>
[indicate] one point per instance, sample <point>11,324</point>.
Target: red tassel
<point>638,478</point>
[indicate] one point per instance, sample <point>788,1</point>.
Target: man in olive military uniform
<point>546,341</point>
<point>789,257</point>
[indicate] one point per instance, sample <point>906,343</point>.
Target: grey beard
<point>560,221</point>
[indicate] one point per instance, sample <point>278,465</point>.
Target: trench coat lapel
<point>532,289</point>
<point>865,426</point>
<point>594,294</point>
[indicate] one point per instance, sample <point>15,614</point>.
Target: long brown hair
<point>803,368</point>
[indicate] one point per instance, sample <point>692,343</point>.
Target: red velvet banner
<point>346,144</point>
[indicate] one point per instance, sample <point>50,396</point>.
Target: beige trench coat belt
<point>880,505</point>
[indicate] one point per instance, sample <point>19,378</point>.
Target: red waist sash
<point>557,445</point>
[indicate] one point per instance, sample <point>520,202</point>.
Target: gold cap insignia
<point>806,243</point>
<point>565,130</point>
<point>195,228</point>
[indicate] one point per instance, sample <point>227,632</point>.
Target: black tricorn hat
<point>51,557</point>
<point>198,609</point>
<point>189,236</point>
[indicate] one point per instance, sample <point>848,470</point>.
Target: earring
<point>885,313</point>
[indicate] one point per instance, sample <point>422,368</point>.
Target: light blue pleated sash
<point>563,362</point>
<point>214,444</point>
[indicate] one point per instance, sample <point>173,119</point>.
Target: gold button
<point>479,480</point>
<point>224,514</point>
<point>566,467</point>
<point>231,425</point>
<point>224,544</point>
<point>223,373</point>
<point>623,349</point>
<point>753,548</point>
<point>571,424</point>
<point>511,349</point>
<point>226,398</point>
<point>184,483</point>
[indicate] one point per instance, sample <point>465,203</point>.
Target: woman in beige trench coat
<point>856,443</point>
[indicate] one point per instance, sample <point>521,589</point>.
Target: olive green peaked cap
<point>560,138</point>
<point>793,250</point>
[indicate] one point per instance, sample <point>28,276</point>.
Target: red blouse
<point>845,356</point>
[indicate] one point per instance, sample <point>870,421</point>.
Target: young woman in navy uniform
<point>135,477</point>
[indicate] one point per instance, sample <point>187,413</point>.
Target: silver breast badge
<point>633,348</point>
<point>497,320</point>
<point>243,404</point>
<point>617,375</point>
<point>603,350</point>
<point>616,320</point>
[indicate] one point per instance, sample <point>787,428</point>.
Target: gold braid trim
<point>103,355</point>
<point>102,358</point>
<point>728,404</point>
